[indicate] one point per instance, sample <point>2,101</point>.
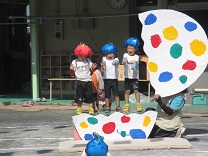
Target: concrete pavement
<point>24,133</point>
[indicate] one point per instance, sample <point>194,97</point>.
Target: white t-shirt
<point>110,70</point>
<point>82,69</point>
<point>128,71</point>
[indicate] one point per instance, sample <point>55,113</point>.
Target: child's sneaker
<point>91,111</point>
<point>126,107</point>
<point>118,109</point>
<point>79,111</point>
<point>107,109</point>
<point>180,131</point>
<point>139,107</point>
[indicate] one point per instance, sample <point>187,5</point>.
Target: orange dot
<point>170,33</point>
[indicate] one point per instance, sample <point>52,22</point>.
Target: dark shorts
<point>131,84</point>
<point>111,84</point>
<point>83,92</point>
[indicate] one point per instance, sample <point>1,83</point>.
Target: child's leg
<point>117,100</point>
<point>107,105</point>
<point>79,97</point>
<point>135,86</point>
<point>94,104</point>
<point>107,102</point>
<point>126,96</point>
<point>88,96</point>
<point>137,96</point>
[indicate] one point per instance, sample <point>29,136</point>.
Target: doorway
<point>15,68</point>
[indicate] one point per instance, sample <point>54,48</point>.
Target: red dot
<point>189,65</point>
<point>155,40</point>
<point>125,119</point>
<point>109,128</point>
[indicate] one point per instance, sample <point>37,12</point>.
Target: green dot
<point>123,133</point>
<point>92,120</point>
<point>183,79</point>
<point>176,50</point>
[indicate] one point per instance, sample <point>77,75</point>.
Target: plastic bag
<point>143,98</point>
<point>96,147</point>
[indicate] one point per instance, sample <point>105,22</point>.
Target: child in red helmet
<point>82,67</point>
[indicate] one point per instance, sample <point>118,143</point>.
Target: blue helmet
<point>109,48</point>
<point>177,102</point>
<point>132,41</point>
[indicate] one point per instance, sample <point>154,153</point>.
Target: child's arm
<point>73,65</point>
<point>94,83</point>
<point>116,62</point>
<point>124,60</point>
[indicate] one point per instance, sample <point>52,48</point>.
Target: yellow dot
<point>147,121</point>
<point>170,33</point>
<point>197,47</point>
<point>152,67</point>
<point>83,125</point>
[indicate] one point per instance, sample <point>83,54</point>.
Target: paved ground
<point>38,132</point>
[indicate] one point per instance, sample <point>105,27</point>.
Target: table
<point>73,79</point>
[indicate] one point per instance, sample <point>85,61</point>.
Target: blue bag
<point>96,147</point>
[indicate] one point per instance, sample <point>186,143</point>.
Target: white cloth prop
<point>177,49</point>
<point>115,126</point>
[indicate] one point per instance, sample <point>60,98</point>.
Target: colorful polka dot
<point>84,125</point>
<point>189,65</point>
<point>190,26</point>
<point>92,120</point>
<point>170,33</point>
<point>176,51</point>
<point>137,134</point>
<point>183,79</point>
<point>125,119</point>
<point>88,136</point>
<point>109,127</point>
<point>155,40</point>
<point>165,77</point>
<point>150,19</point>
<point>147,121</point>
<point>197,47</point>
<point>152,66</point>
<point>123,133</point>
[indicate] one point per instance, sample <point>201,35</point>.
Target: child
<point>97,86</point>
<point>131,72</point>
<point>168,122</point>
<point>82,67</point>
<point>110,75</point>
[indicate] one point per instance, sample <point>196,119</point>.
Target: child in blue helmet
<point>110,64</point>
<point>131,72</point>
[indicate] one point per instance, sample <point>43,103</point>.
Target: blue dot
<point>190,26</point>
<point>165,77</point>
<point>137,134</point>
<point>150,19</point>
<point>88,137</point>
